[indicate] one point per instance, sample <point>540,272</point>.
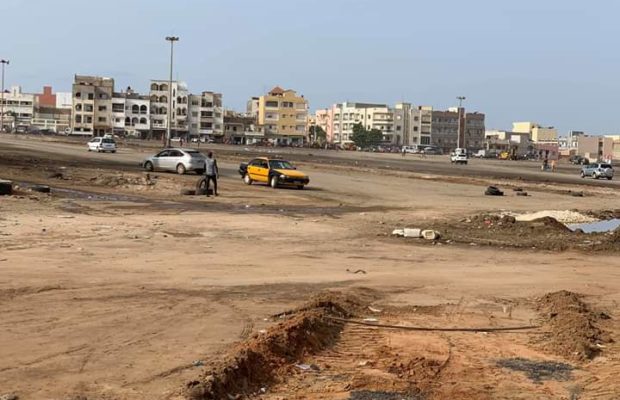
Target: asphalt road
<point>129,157</point>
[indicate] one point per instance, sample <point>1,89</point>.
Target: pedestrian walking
<point>211,173</point>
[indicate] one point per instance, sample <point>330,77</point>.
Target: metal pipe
<point>171,39</point>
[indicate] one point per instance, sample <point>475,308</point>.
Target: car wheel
<point>247,180</point>
<point>609,178</point>
<point>300,187</point>
<point>89,149</point>
<point>273,182</point>
<point>583,175</point>
<point>148,166</point>
<point>180,169</point>
<point>113,151</point>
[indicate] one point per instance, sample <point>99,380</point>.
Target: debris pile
<point>123,180</point>
<point>264,359</point>
<point>573,329</point>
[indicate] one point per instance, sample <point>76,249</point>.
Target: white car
<point>459,156</point>
<point>100,144</point>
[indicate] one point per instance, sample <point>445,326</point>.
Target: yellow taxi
<point>274,172</point>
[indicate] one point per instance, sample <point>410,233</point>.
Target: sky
<point>555,62</point>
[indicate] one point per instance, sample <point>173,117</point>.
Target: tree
<point>317,134</point>
<point>366,138</point>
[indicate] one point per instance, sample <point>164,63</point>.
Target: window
<point>163,99</point>
<point>101,119</point>
<point>154,86</point>
<point>78,119</point>
<point>143,120</point>
<point>89,119</point>
<point>194,113</point>
<point>271,104</point>
<point>135,109</point>
<point>91,96</point>
<point>134,121</point>
<point>78,107</point>
<point>88,108</point>
<point>78,95</point>
<point>102,108</point>
<point>143,109</point>
<point>415,128</point>
<point>398,128</point>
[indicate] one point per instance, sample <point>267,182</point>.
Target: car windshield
<point>280,164</point>
<point>195,154</point>
<point>108,141</point>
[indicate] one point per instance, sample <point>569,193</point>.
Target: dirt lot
<point>115,286</point>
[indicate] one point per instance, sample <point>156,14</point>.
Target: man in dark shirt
<point>211,173</point>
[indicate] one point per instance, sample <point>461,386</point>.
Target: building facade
<point>206,115</point>
<point>159,92</point>
<point>92,105</point>
<point>131,114</point>
<point>18,108</point>
<point>596,148</point>
<point>283,116</point>
<point>538,134</point>
<point>241,129</point>
<point>445,130</point>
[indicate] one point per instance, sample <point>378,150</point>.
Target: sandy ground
<point>116,297</point>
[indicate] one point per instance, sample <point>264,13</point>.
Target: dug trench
<point>318,352</point>
<point>503,231</point>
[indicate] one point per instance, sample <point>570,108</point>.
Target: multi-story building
<point>159,108</point>
<point>338,121</point>
<point>92,105</point>
<point>446,125</point>
<point>516,143</point>
<point>241,128</point>
<point>252,107</point>
<point>596,148</point>
<point>538,134</point>
<point>131,114</point>
<point>412,125</point>
<point>18,108</point>
<point>283,115</point>
<point>52,111</point>
<point>206,115</point>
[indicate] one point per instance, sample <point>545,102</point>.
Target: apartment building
<point>283,115</point>
<point>252,107</point>
<point>18,108</point>
<point>596,148</point>
<point>412,124</point>
<point>538,133</point>
<point>446,125</point>
<point>241,128</point>
<point>206,115</point>
<point>52,111</point>
<point>131,114</point>
<point>159,92</point>
<point>92,105</point>
<point>338,121</point>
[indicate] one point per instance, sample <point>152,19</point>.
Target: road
<point>129,157</point>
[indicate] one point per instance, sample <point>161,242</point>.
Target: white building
<point>371,116</point>
<point>131,113</point>
<point>206,115</point>
<point>18,108</point>
<point>159,107</point>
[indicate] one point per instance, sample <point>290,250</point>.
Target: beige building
<point>596,148</point>
<point>206,115</point>
<point>18,108</point>
<point>92,105</point>
<point>538,134</point>
<point>283,115</point>
<point>159,108</point>
<point>615,146</point>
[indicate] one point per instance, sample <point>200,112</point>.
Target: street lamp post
<point>171,39</point>
<point>461,116</point>
<point>3,62</point>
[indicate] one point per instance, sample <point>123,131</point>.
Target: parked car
<point>579,160</point>
<point>275,172</point>
<point>179,160</point>
<point>598,171</point>
<point>432,150</point>
<point>415,149</point>
<point>100,144</point>
<point>459,156</point>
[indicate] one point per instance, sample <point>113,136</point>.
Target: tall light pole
<point>171,39</point>
<point>3,62</point>
<point>461,115</point>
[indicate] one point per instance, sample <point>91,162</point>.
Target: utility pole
<point>3,62</point>
<point>461,116</point>
<point>171,39</point>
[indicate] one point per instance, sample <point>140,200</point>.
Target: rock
<point>9,396</point>
<point>6,188</point>
<point>493,191</point>
<point>524,194</point>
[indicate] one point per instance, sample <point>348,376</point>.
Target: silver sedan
<point>179,160</point>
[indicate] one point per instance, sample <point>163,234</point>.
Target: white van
<point>459,156</point>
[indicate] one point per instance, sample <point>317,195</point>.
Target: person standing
<point>211,173</point>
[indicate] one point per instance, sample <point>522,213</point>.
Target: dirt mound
<point>267,358</point>
<point>572,327</point>
<point>122,180</point>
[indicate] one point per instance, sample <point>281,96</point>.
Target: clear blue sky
<point>552,61</point>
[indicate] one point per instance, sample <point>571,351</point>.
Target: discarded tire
<point>41,188</point>
<point>6,188</point>
<point>188,192</point>
<point>493,191</point>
